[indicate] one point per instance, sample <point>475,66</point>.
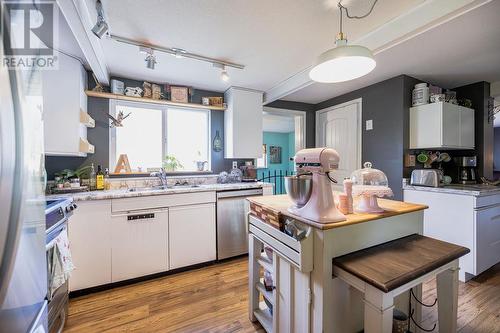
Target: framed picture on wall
<point>262,161</point>
<point>275,154</point>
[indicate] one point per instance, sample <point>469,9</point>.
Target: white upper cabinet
<point>441,125</point>
<point>65,109</point>
<point>243,123</point>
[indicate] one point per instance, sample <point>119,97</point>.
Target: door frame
<point>359,148</point>
<point>300,123</point>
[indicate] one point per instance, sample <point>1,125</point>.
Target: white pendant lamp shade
<point>342,63</point>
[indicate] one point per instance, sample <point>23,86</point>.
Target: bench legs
<point>379,307</point>
<point>447,292</point>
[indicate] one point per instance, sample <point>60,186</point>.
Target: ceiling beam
<point>422,18</point>
<point>80,21</point>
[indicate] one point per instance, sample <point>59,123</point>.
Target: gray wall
<point>98,109</point>
<point>479,94</point>
<point>385,103</point>
<point>496,151</point>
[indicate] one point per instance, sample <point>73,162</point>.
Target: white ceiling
<point>280,124</point>
<point>461,51</point>
<point>273,39</point>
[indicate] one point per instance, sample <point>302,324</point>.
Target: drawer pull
<point>140,216</point>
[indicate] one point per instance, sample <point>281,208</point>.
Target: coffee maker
<point>467,169</point>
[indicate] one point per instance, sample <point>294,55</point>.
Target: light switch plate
<point>369,125</point>
<point>235,164</point>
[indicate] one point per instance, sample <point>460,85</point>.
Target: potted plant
<point>67,177</point>
<point>171,164</point>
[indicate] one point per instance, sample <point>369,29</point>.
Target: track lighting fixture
<point>223,75</point>
<point>178,53</point>
<point>101,27</point>
<point>150,61</point>
<point>181,53</point>
<point>150,57</point>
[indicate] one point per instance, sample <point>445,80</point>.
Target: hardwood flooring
<point>214,299</point>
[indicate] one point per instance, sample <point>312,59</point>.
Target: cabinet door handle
<point>140,216</point>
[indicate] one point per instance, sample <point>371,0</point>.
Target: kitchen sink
<point>160,188</point>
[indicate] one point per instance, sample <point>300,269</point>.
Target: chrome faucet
<point>161,175</point>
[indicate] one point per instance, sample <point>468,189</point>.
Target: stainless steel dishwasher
<point>232,236</point>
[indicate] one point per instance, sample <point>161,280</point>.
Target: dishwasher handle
<point>239,193</point>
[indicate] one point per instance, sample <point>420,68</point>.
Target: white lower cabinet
<point>192,236</point>
<point>121,239</point>
<point>89,231</point>
<point>488,237</point>
<point>139,243</point>
<point>466,220</point>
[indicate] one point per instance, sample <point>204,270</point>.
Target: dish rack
<point>290,264</point>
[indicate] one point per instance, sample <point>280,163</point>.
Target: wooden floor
<point>214,299</point>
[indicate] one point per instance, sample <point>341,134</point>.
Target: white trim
<point>300,118</point>
<point>422,18</point>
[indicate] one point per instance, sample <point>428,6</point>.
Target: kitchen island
<point>306,296</point>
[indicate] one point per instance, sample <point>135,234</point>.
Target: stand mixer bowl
<point>299,189</point>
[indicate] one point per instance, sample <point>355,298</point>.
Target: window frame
<point>114,103</point>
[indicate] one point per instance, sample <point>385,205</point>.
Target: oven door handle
<point>52,243</point>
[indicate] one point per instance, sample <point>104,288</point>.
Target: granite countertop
<point>125,193</point>
<point>280,203</point>
<point>477,190</point>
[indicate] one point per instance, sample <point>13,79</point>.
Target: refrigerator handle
<point>11,177</point>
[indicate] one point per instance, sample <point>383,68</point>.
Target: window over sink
<point>153,136</point>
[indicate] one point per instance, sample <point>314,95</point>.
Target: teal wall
<point>287,143</point>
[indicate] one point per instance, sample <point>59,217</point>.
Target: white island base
<point>306,296</point>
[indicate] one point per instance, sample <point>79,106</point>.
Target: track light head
<point>224,76</point>
<point>101,27</point>
<point>150,61</point>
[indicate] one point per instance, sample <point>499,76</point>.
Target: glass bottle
<point>99,181</point>
<point>107,185</point>
<point>217,143</point>
<point>92,178</point>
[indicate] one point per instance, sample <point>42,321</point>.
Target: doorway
<point>283,135</point>
<point>339,127</point>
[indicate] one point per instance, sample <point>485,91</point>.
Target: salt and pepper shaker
<point>343,203</point>
<point>348,193</point>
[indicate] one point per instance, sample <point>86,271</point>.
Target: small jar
<point>420,94</point>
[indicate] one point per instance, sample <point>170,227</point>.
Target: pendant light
<point>344,62</point>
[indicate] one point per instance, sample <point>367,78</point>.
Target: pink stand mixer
<point>314,198</point>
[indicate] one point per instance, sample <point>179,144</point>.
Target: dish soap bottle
<point>99,181</point>
<point>92,178</point>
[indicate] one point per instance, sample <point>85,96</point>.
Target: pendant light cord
<point>353,16</point>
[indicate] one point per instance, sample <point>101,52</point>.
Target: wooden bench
<point>384,271</point>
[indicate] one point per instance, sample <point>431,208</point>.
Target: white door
<point>139,243</point>
<point>192,237</point>
<point>339,127</point>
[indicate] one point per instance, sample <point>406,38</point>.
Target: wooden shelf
<point>264,317</point>
<point>91,93</point>
<point>265,293</point>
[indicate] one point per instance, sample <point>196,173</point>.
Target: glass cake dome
<point>369,183</point>
<point>369,176</point>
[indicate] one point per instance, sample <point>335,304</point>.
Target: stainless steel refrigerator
<point>23,272</point>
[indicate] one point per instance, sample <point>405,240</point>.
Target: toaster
<point>426,177</point>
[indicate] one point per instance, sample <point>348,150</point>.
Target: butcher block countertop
<point>278,204</point>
